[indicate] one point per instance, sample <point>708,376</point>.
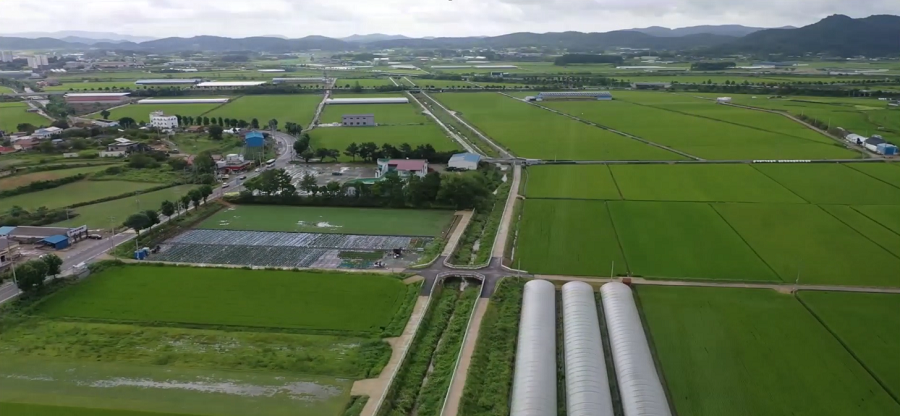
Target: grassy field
<point>711,183</point>
<point>886,215</point>
<point>341,137</point>
<point>11,182</point>
<point>700,136</point>
<point>73,193</point>
<point>869,228</point>
<point>889,173</point>
<point>294,108</point>
<point>141,112</point>
<point>112,85</point>
<point>867,324</point>
<point>97,216</point>
<point>568,237</point>
<point>318,302</point>
<point>684,240</point>
<point>806,242</point>
<point>331,220</point>
<point>193,144</point>
<point>754,352</point>
<point>572,181</point>
<point>532,132</point>
<point>384,113</point>
<point>13,114</point>
<point>442,83</point>
<point>23,409</point>
<point>832,184</point>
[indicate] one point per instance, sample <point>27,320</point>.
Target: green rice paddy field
<point>141,112</point>
<point>366,221</point>
<point>11,182</point>
<point>363,82</point>
<point>13,114</point>
<point>442,83</point>
<point>532,132</point>
<point>760,352</point>
<point>73,193</point>
<point>415,135</point>
<point>731,222</point>
<point>302,339</point>
<point>294,108</point>
<point>384,113</point>
<point>97,216</point>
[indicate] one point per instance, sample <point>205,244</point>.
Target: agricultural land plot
<point>363,82</point>
<point>684,240</point>
<point>98,216</point>
<point>804,241</point>
<point>341,137</point>
<point>141,112</point>
<point>12,182</point>
<point>832,184</point>
<point>331,220</point>
<point>103,85</point>
<point>13,114</point>
<point>193,144</point>
<point>754,352</point>
<point>568,238</point>
<point>877,233</point>
<point>886,215</point>
<point>73,193</point>
<point>889,173</point>
<point>571,182</point>
<point>868,325</point>
<point>442,83</point>
<point>313,302</point>
<point>702,137</point>
<point>707,183</point>
<point>384,113</point>
<point>532,132</point>
<point>299,109</point>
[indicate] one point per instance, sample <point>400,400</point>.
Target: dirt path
<point>780,287</point>
<point>506,222</point>
<point>457,232</point>
<point>458,383</point>
<point>376,388</point>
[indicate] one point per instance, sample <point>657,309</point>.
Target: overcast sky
<point>418,18</point>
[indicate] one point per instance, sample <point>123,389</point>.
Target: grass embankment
<point>464,132</point>
<point>423,379</point>
<point>489,382</point>
<point>482,229</point>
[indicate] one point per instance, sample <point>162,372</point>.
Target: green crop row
<point>489,380</point>
<point>431,397</point>
<point>403,392</point>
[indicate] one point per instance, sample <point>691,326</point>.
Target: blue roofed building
<point>58,241</point>
<point>254,139</point>
<point>464,161</point>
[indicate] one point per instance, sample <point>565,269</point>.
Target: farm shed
<point>871,144</point>
<point>587,385</point>
<point>355,120</point>
<point>464,161</point>
<point>575,95</point>
<point>184,101</point>
<point>534,379</point>
<point>230,84</point>
<point>855,138</point>
<point>639,385</point>
<point>886,149</point>
<point>58,241</point>
<point>299,80</point>
<point>254,139</point>
<point>373,100</point>
<point>723,100</point>
<point>96,97</point>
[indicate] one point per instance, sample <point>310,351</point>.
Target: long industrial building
<point>373,100</point>
<point>229,84</point>
<point>300,80</point>
<point>184,101</point>
<point>97,97</point>
<point>534,381</point>
<point>587,383</point>
<point>641,391</point>
<point>168,81</point>
<point>575,95</point>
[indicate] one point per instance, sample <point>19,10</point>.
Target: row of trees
<point>146,219</point>
<point>30,275</point>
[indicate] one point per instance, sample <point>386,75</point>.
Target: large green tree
<point>167,208</point>
<point>138,222</point>
<point>53,263</point>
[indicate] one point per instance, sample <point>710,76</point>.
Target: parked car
<point>95,236</point>
<point>226,185</point>
<point>243,177</point>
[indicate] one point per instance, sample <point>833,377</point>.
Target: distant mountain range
<point>836,35</point>
<point>78,36</point>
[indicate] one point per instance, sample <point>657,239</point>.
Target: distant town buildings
<point>37,61</point>
<point>6,56</point>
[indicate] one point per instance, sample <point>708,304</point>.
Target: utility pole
<point>112,233</point>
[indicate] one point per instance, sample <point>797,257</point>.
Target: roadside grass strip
<point>533,132</point>
<point>571,182</point>
<point>367,221</point>
<point>24,409</point>
<point>832,184</point>
<point>749,352</point>
<point>684,240</point>
<point>326,303</point>
<point>868,325</point>
<point>568,238</point>
<point>702,183</point>
<point>806,243</point>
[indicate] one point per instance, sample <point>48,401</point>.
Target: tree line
<point>146,219</point>
<point>30,275</point>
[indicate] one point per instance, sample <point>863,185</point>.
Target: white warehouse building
<point>373,100</point>
<point>162,121</point>
<point>575,95</point>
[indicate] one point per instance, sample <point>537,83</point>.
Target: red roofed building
<point>5,150</point>
<point>403,167</point>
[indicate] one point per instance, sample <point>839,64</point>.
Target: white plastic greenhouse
<point>587,385</point>
<point>642,392</point>
<point>534,381</point>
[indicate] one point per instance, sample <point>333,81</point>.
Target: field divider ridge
<point>618,241</point>
<point>859,232</point>
<point>459,357</point>
<point>752,165</point>
<point>221,105</point>
<point>452,135</point>
<point>848,349</point>
<point>873,219</point>
<point>618,188</point>
<point>873,177</point>
<point>609,129</point>
<point>736,232</point>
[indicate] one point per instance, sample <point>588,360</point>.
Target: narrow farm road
<point>506,222</point>
<point>453,135</point>
<point>458,382</point>
<point>376,388</point>
<point>457,232</point>
<point>484,138</point>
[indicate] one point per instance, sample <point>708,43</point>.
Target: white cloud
<point>338,18</point>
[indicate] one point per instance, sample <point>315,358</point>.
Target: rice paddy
<point>385,114</point>
<point>285,108</point>
<point>13,114</point>
<point>141,112</point>
<point>73,193</point>
<point>414,135</point>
